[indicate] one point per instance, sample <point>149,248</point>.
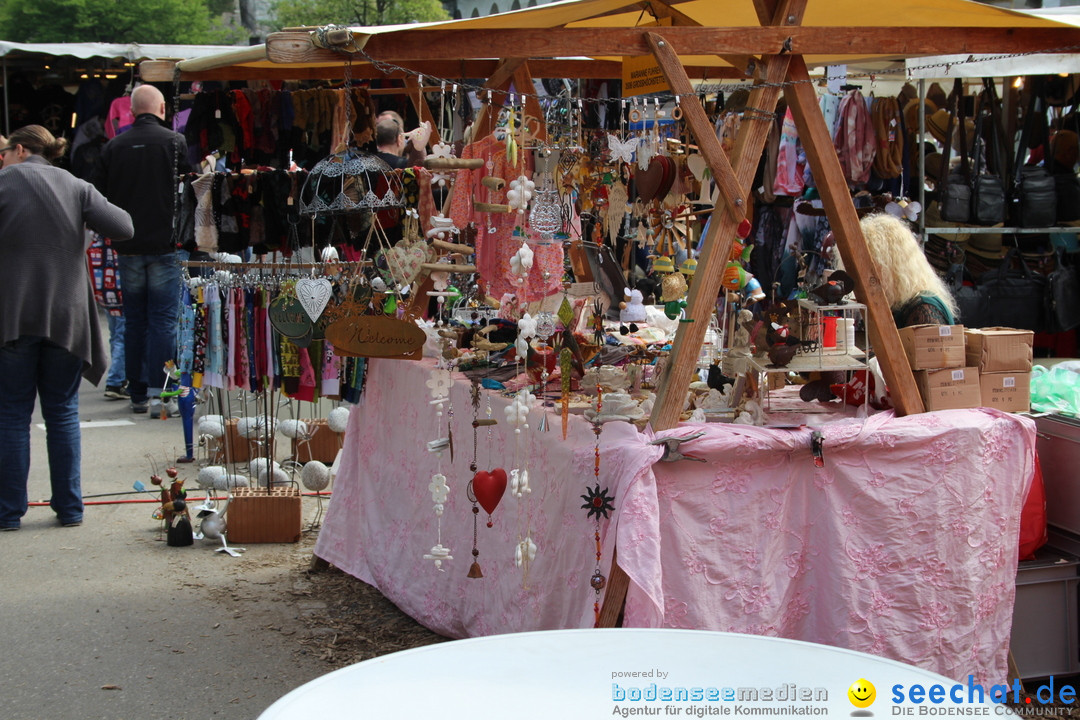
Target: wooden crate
<point>258,515</point>
<point>323,445</point>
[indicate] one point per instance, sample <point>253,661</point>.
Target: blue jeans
<point>116,375</point>
<point>151,309</point>
<point>29,367</point>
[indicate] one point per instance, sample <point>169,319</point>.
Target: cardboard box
<point>1010,392</point>
<point>933,347</point>
<point>258,515</point>
<point>999,349</point>
<point>949,389</point>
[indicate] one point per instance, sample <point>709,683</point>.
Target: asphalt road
<point>107,621</point>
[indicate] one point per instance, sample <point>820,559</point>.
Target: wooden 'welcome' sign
<point>376,336</point>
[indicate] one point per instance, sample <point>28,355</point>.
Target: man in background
<point>138,171</point>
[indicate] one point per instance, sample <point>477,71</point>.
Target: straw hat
<point>937,125</point>
<point>911,113</point>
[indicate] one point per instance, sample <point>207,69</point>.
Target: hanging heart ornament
<point>488,487</point>
<point>313,294</point>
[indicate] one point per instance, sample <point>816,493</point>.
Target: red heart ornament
<point>488,488</point>
<point>655,182</point>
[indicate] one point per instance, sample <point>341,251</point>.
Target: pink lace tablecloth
<point>903,545</point>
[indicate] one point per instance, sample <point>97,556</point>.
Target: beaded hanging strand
<point>474,569</point>
<point>599,504</point>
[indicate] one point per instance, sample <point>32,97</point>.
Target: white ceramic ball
<point>229,482</point>
<point>293,428</point>
<point>209,476</point>
<point>259,465</point>
<point>278,478</point>
<point>315,476</point>
<point>338,419</point>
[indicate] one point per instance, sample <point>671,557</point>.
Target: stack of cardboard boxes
<point>958,368</point>
<point>1004,357</point>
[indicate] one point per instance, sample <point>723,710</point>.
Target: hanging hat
<point>907,94</point>
<point>1066,148</point>
<point>936,94</point>
<point>933,163</point>
<point>689,266</point>
<point>937,124</point>
<point>663,265</point>
<point>911,113</point>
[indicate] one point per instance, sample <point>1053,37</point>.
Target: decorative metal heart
<point>313,294</point>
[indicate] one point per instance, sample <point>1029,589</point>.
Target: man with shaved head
<point>138,171</point>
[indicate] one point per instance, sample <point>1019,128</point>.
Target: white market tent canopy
<point>994,65</point>
<point>714,38</point>
<point>131,52</point>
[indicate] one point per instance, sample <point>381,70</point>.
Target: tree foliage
<point>111,21</point>
<point>294,13</point>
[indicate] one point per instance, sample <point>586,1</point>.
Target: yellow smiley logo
<point>862,693</point>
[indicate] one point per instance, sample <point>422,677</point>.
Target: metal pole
<point>922,161</point>
<point>7,119</point>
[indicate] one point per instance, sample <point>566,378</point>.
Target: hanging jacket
<point>854,138</point>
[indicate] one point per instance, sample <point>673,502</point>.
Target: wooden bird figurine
<point>833,290</point>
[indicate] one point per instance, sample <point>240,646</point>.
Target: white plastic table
<point>581,674</point>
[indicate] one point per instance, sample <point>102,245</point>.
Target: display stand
<point>561,30</point>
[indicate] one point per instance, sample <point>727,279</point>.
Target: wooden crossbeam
<point>586,69</point>
<point>853,41</point>
<point>844,221</point>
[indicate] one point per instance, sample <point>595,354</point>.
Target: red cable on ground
<point>45,503</point>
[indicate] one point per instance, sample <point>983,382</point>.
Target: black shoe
<point>116,392</point>
<point>71,523</point>
<point>140,408</point>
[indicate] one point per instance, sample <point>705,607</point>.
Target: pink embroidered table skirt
<point>903,545</point>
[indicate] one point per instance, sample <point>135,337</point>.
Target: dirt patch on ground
<point>332,616</point>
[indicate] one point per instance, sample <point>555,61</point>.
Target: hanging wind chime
<point>486,488</point>
<point>599,504</point>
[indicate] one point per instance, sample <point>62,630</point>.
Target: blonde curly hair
<point>904,271</point>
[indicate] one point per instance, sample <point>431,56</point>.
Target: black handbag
<point>955,193</point>
<point>1012,298</point>
<point>1037,197</point>
<point>1062,296</point>
<point>1034,190</point>
<point>969,301</point>
<point>987,190</point>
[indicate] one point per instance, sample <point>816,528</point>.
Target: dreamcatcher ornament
<point>486,488</point>
<point>439,383</point>
<point>599,504</point>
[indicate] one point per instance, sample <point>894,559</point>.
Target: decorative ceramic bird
<point>833,290</point>
<point>213,526</point>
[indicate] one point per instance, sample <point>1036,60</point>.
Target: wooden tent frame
<point>772,55</point>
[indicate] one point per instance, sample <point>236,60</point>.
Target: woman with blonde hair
<point>49,334</point>
<point>912,288</point>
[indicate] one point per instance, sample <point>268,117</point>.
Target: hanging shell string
<point>440,384</point>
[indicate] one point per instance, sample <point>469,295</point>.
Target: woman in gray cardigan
<point>49,334</point>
